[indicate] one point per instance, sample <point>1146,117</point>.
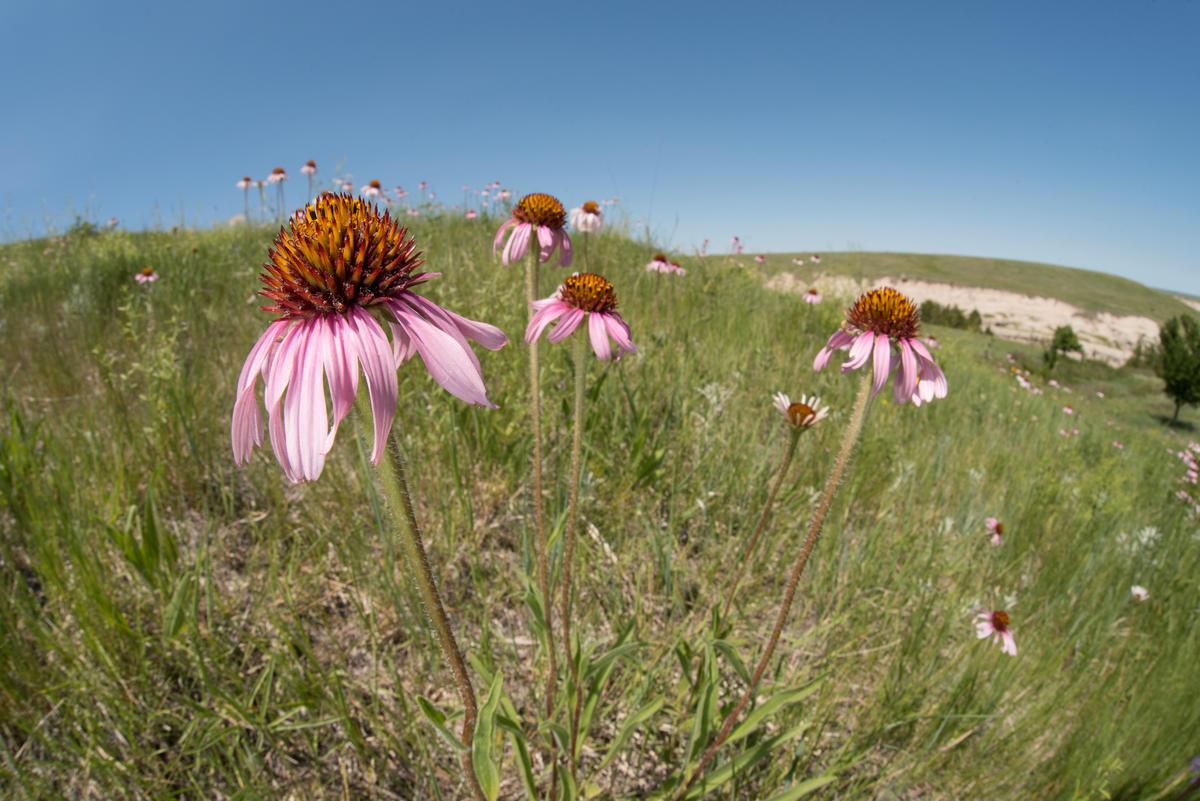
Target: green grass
<point>1087,289</point>
<point>173,627</point>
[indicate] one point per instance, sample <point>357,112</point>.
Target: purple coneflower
<point>996,529</point>
<point>816,259</point>
<point>309,168</point>
<point>471,214</point>
<point>540,213</point>
<point>146,276</point>
<point>760,259</point>
<point>658,264</point>
<point>583,296</point>
<point>373,189</point>
<point>995,624</point>
<point>804,413</point>
<point>1139,593</point>
<point>674,268</point>
<point>587,218</point>
<point>812,296</point>
<point>876,319</point>
<point>327,270</point>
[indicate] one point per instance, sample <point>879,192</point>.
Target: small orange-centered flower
<point>309,168</point>
<point>277,176</point>
<point>245,183</point>
<point>536,212</point>
<point>878,319</point>
<point>587,218</point>
<point>996,624</point>
<point>804,413</point>
<point>373,188</point>
<point>146,276</point>
<point>995,529</point>
<point>812,296</point>
<point>583,296</point>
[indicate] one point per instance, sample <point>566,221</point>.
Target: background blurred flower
<point>535,213</point>
<point>146,276</point>
<point>995,624</point>
<point>587,218</point>
<point>583,296</point>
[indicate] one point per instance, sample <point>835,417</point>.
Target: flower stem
<point>395,489</point>
<point>539,517</point>
<point>763,518</point>
<point>849,439</point>
<point>581,342</point>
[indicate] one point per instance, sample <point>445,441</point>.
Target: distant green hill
<point>1087,289</point>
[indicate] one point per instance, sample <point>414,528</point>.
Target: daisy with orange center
<point>583,297</point>
<point>146,276</point>
<point>804,413</point>
<point>536,215</point>
<point>996,624</point>
<point>373,189</point>
<point>334,265</point>
<point>587,218</point>
<point>879,320</point>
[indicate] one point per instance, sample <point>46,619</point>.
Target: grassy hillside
<point>174,627</point>
<point>1089,290</point>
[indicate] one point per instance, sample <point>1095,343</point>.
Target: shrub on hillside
<point>935,313</point>
<point>1179,361</point>
<point>1065,341</point>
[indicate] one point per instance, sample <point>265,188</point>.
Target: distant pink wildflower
<point>245,183</point>
<point>587,218</point>
<point>812,296</point>
<point>326,332</point>
<point>472,214</point>
<point>816,259</point>
<point>583,296</point>
<point>1139,593</point>
<point>146,276</point>
<point>536,213</point>
<point>996,529</point>
<point>658,264</point>
<point>995,624</point>
<point>1068,410</point>
<point>373,189</point>
<point>760,259</point>
<point>277,176</point>
<point>309,168</point>
<point>876,319</point>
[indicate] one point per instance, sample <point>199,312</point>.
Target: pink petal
<point>618,329</point>
<point>246,428</point>
<point>838,340</point>
<point>546,239</point>
<point>599,336</point>
<point>505,226</point>
<point>566,254</point>
<point>882,365</point>
<point>489,336</point>
<point>906,382</point>
<point>860,351</point>
<point>1009,645</point>
<point>341,371</point>
<point>379,367</point>
<point>567,325</point>
<point>304,419</point>
<point>449,361</point>
<point>543,317</point>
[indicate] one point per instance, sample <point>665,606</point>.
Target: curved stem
<point>849,439</point>
<point>581,341</point>
<point>395,488</point>
<point>763,518</point>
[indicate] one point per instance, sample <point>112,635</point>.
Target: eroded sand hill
<point>1107,337</point>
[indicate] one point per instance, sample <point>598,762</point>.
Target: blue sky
<point>1061,132</point>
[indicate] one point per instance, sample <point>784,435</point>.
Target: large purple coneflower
<point>878,319</point>
<point>583,297</point>
<point>336,262</point>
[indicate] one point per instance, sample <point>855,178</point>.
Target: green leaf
<point>483,745</point>
<point>182,600</point>
<point>627,728</point>
<point>801,789</point>
<point>438,719</point>
<point>773,704</point>
<point>742,762</point>
<point>518,739</point>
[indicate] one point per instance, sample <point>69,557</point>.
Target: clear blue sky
<point>1052,131</point>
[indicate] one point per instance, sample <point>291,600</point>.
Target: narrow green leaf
<point>182,600</point>
<point>437,719</point>
<point>775,703</point>
<point>627,729</point>
<point>486,770</point>
<point>801,789</point>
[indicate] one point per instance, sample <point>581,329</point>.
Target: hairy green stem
<point>849,439</point>
<point>763,518</point>
<point>395,489</point>
<point>581,342</point>
<point>539,518</point>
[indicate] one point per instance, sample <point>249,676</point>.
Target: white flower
<point>804,413</point>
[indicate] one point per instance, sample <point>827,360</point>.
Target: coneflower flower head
<point>995,529</point>
<point>587,217</point>
<point>876,320</point>
<point>804,413</point>
<point>583,296</point>
<point>812,296</point>
<point>996,624</point>
<point>277,175</point>
<point>245,183</point>
<point>146,275</point>
<point>658,264</point>
<point>373,188</point>
<point>338,258</point>
<point>309,168</point>
<point>543,213</point>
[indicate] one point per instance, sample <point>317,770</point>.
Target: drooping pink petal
<point>548,313</point>
<point>304,416</point>
<point>1009,645</point>
<point>403,348</point>
<point>341,372</point>
<point>379,367</point>
<point>504,227</point>
<point>906,382</point>
<point>565,253</point>
<point>983,629</point>
<point>618,329</point>
<point>882,363</point>
<point>448,359</point>
<point>837,341</point>
<point>489,336</point>
<point>517,244</point>
<point>246,428</point>
<point>860,351</point>
<point>599,336</point>
<point>545,236</point>
<point>567,325</point>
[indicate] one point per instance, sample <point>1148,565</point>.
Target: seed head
<point>338,252</point>
<point>541,209</point>
<point>589,292</point>
<point>885,311</point>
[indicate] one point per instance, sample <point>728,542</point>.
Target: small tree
<point>1064,341</point>
<point>1179,361</point>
